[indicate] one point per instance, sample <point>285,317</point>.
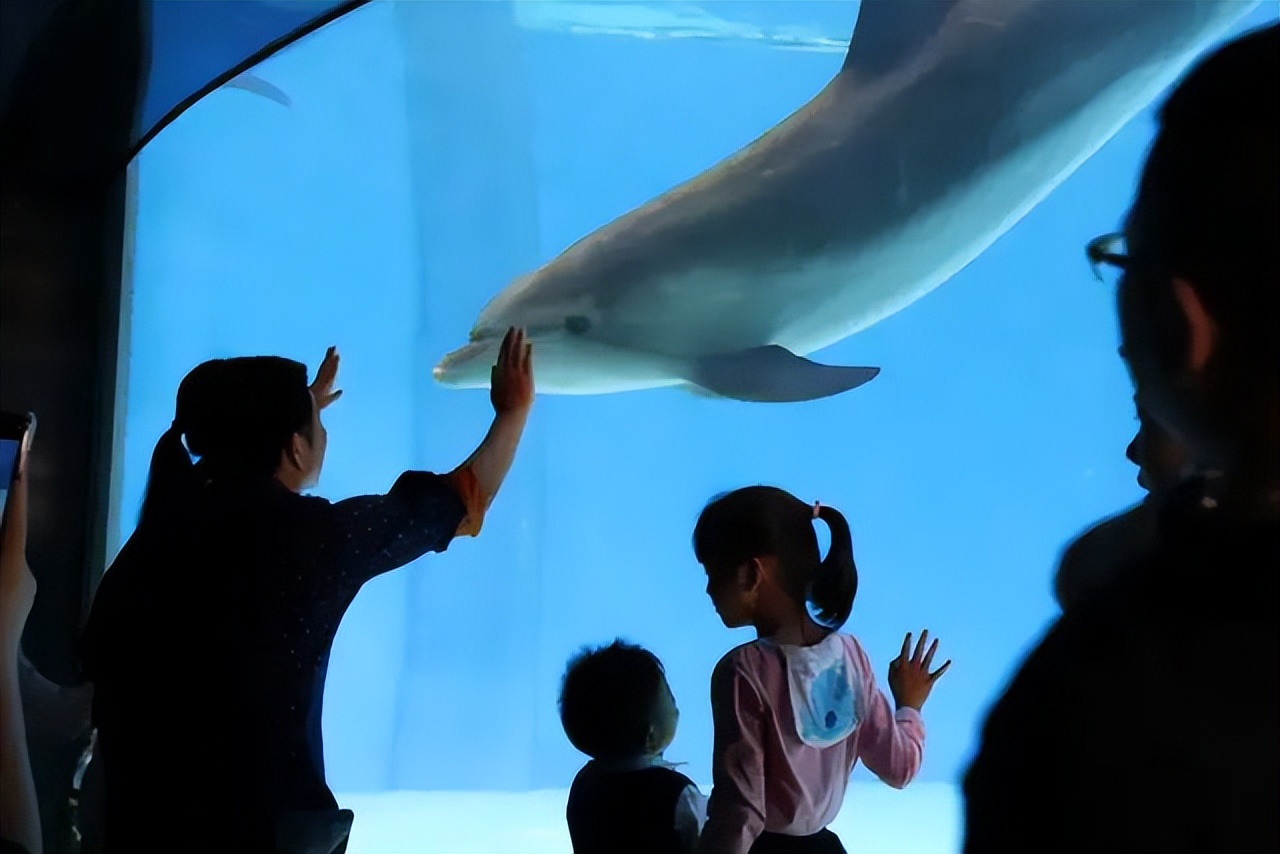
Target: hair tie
<point>178,431</point>
<point>817,509</point>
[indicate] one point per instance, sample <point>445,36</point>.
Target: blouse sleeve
<point>891,743</point>
<point>736,808</point>
<point>372,534</point>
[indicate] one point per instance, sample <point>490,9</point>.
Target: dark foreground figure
<point>1147,719</point>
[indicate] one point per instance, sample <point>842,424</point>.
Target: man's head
<point>1200,298</point>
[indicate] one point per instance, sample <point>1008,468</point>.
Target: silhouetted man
<point>1147,719</point>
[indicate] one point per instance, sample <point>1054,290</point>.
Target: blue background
<point>434,151</point>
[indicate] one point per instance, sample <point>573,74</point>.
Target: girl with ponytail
<point>798,707</point>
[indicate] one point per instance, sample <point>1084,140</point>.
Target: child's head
<point>760,552</point>
<point>615,703</point>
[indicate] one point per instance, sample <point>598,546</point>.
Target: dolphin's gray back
<point>948,121</point>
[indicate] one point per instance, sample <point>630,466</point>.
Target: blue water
<point>436,150</point>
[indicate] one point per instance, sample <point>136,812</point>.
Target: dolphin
<point>250,82</point>
<point>948,122</point>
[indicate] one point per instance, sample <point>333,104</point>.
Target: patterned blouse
<point>208,645</point>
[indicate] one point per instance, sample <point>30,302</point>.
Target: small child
<point>616,707</point>
<point>796,709</point>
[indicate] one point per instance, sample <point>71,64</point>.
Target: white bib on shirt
<point>823,698</point>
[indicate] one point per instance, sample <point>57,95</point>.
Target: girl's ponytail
<point>763,520</point>
<point>835,584</point>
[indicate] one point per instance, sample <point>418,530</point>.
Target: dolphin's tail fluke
<point>773,375</point>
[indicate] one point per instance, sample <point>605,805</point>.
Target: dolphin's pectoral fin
<point>699,391</point>
<point>773,375</point>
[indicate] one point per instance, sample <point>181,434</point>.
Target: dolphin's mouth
<point>468,366</point>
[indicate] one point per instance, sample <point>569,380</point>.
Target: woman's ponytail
<point>835,584</point>
<point>170,481</point>
<point>237,416</point>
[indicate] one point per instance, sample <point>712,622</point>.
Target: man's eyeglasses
<point>1108,256</point>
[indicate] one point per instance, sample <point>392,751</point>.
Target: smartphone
<point>16,432</point>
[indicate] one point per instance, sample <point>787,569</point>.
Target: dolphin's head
<point>556,323</point>
<point>565,361</point>
<point>469,365</point>
<point>569,356</point>
<point>517,305</point>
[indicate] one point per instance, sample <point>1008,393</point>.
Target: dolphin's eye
<point>577,324</point>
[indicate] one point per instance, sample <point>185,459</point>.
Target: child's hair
<point>609,699</point>
<point>760,521</point>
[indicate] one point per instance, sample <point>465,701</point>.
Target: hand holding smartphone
<point>16,432</point>
<point>17,584</point>
<point>20,816</point>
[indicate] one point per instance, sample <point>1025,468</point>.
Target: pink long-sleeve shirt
<point>765,776</point>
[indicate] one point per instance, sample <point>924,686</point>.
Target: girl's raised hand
<point>909,676</point>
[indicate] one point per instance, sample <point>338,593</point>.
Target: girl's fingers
<point>924,637</point>
<point>941,670</point>
<point>906,648</point>
<point>928,659</point>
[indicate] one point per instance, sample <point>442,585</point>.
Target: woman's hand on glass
<point>326,377</point>
<point>511,381</point>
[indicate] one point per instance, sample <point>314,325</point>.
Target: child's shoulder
<point>764,648</point>
<point>753,655</point>
<point>745,660</point>
<point>749,652</point>
<point>596,775</point>
<point>851,644</point>
<point>855,654</point>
